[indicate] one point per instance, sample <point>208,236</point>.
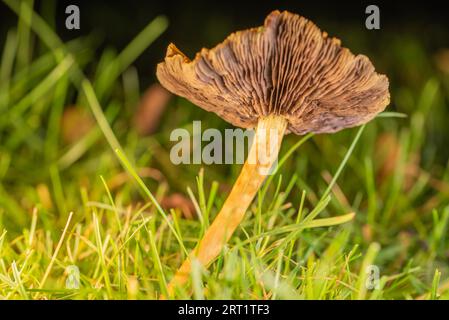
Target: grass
<point>337,206</point>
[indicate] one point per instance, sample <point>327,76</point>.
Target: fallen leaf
<point>44,196</point>
<point>179,201</point>
<point>150,109</point>
<point>387,154</point>
<point>75,123</point>
<point>442,60</point>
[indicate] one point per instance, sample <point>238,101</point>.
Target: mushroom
<point>286,76</point>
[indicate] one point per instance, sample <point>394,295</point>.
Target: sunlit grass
<point>376,195</point>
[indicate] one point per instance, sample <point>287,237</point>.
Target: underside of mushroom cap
<point>288,67</point>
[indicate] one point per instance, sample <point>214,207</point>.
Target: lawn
<point>86,183</point>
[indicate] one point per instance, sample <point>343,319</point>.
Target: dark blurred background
<point>202,23</point>
<point>52,153</point>
<point>411,47</point>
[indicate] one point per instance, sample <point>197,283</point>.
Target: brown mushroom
<point>286,76</point>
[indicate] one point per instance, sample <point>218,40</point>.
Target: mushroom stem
<point>261,158</point>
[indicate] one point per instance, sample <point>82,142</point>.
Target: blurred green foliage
<point>395,181</point>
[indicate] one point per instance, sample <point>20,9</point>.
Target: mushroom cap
<point>287,67</point>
